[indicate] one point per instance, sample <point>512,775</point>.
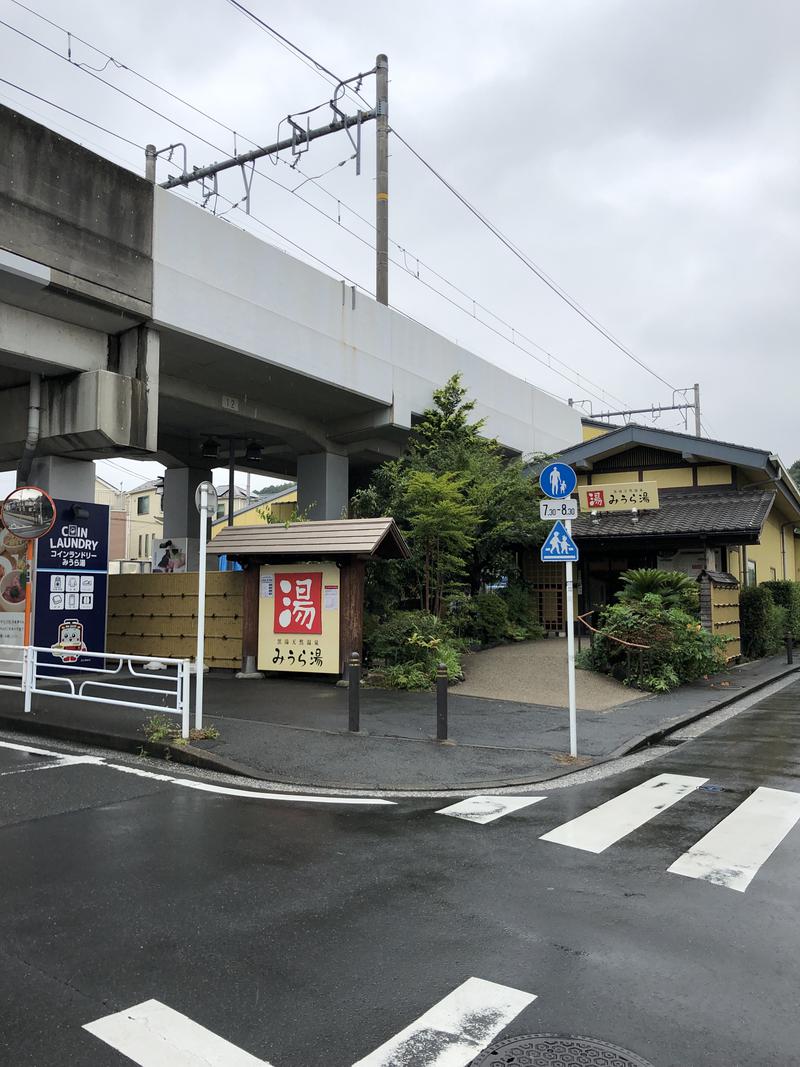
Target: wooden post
<point>351,611</point>
<point>250,621</point>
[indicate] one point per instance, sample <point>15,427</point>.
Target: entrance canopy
<point>356,538</point>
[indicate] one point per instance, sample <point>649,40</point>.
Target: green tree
<point>440,532</point>
<point>794,471</point>
<point>502,497</point>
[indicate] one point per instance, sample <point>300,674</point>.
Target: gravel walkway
<point>535,672</point>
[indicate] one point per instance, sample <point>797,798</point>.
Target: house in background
<point>145,521</point>
<point>117,501</point>
<point>723,507</point>
<point>278,506</point>
<point>240,499</point>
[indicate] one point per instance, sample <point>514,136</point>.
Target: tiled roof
<point>334,537</point>
<point>717,511</point>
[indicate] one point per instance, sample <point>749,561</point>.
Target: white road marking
<point>153,1035</point>
<point>732,853</point>
<point>484,809</point>
<point>455,1030</point>
<point>205,787</point>
<point>603,825</point>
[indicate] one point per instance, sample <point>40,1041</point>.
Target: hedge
<point>786,595</point>
<point>762,622</point>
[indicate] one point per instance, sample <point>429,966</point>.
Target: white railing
<point>173,684</point>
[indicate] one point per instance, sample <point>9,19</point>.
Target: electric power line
<point>578,380</point>
<point>522,256</point>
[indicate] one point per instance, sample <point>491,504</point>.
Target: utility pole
<point>382,180</point>
<point>698,426</point>
<point>150,156</point>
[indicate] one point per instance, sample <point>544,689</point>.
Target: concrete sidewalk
<point>295,732</point>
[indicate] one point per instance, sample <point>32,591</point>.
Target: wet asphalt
<point>308,935</point>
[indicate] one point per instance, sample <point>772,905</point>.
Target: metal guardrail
<point>173,688</point>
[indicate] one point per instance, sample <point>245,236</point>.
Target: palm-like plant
<point>674,588</point>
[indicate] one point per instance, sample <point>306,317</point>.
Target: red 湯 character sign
<point>298,603</point>
<point>595,498</point>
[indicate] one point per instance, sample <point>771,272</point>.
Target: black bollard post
<point>441,702</point>
<point>354,692</point>
<point>789,648</point>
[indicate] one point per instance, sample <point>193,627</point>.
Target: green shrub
<point>678,648</point>
<point>412,644</point>
<point>491,618</point>
<point>762,622</point>
<point>676,589</point>
<point>523,616</point>
<point>786,595</point>
<point>390,640</point>
<point>479,620</point>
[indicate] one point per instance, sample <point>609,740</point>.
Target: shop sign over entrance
<point>298,626</point>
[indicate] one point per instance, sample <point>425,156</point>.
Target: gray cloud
<point>644,152</point>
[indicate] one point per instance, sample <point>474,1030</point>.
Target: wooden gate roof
<point>379,538</point>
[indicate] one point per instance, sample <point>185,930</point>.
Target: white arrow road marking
<point>484,809</point>
<point>153,1035</point>
<point>204,787</point>
<point>455,1030</point>
<point>603,825</point>
<point>732,853</point>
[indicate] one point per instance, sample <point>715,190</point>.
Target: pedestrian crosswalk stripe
<point>153,1035</point>
<point>455,1030</point>
<point>603,825</point>
<point>732,853</point>
<point>484,808</point>
<point>450,1034</point>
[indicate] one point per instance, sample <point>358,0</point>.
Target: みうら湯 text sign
<point>622,496</point>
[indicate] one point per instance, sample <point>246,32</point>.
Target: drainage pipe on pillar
<point>34,423</point>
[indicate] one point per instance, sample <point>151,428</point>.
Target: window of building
<point>140,546</point>
<point>752,574</point>
<point>147,546</point>
<point>143,506</point>
<point>773,574</point>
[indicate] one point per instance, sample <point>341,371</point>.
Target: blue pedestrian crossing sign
<point>558,480</point>
<point>559,546</point>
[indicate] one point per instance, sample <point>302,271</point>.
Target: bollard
<point>789,648</point>
<point>441,702</point>
<point>354,692</point>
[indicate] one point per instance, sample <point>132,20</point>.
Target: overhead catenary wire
<point>516,251</point>
<point>575,379</point>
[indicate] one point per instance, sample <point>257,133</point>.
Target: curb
<point>189,756</point>
<point>654,736</point>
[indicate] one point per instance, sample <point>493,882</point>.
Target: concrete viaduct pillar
<point>180,512</point>
<point>322,485</point>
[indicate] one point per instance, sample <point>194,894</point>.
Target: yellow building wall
<point>767,555</point>
<point>281,509</point>
<point>720,475</point>
<point>590,432</point>
<point>672,478</point>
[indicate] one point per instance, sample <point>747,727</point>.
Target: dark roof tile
<point>684,512</point>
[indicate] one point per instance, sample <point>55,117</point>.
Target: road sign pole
<point>573,715</point>
<point>201,611</point>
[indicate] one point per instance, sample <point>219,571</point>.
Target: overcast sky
<point>644,153</point>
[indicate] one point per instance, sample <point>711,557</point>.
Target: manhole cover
<point>556,1050</point>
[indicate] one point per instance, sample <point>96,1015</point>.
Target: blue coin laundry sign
<point>559,546</point>
<point>71,589</point>
<point>558,480</point>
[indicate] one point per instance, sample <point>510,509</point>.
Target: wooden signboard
<point>622,496</point>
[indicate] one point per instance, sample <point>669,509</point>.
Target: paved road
<point>301,934</point>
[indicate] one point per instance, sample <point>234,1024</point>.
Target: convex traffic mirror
<point>28,513</point>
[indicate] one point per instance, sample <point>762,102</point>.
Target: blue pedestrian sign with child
<point>559,546</point>
<point>557,480</point>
